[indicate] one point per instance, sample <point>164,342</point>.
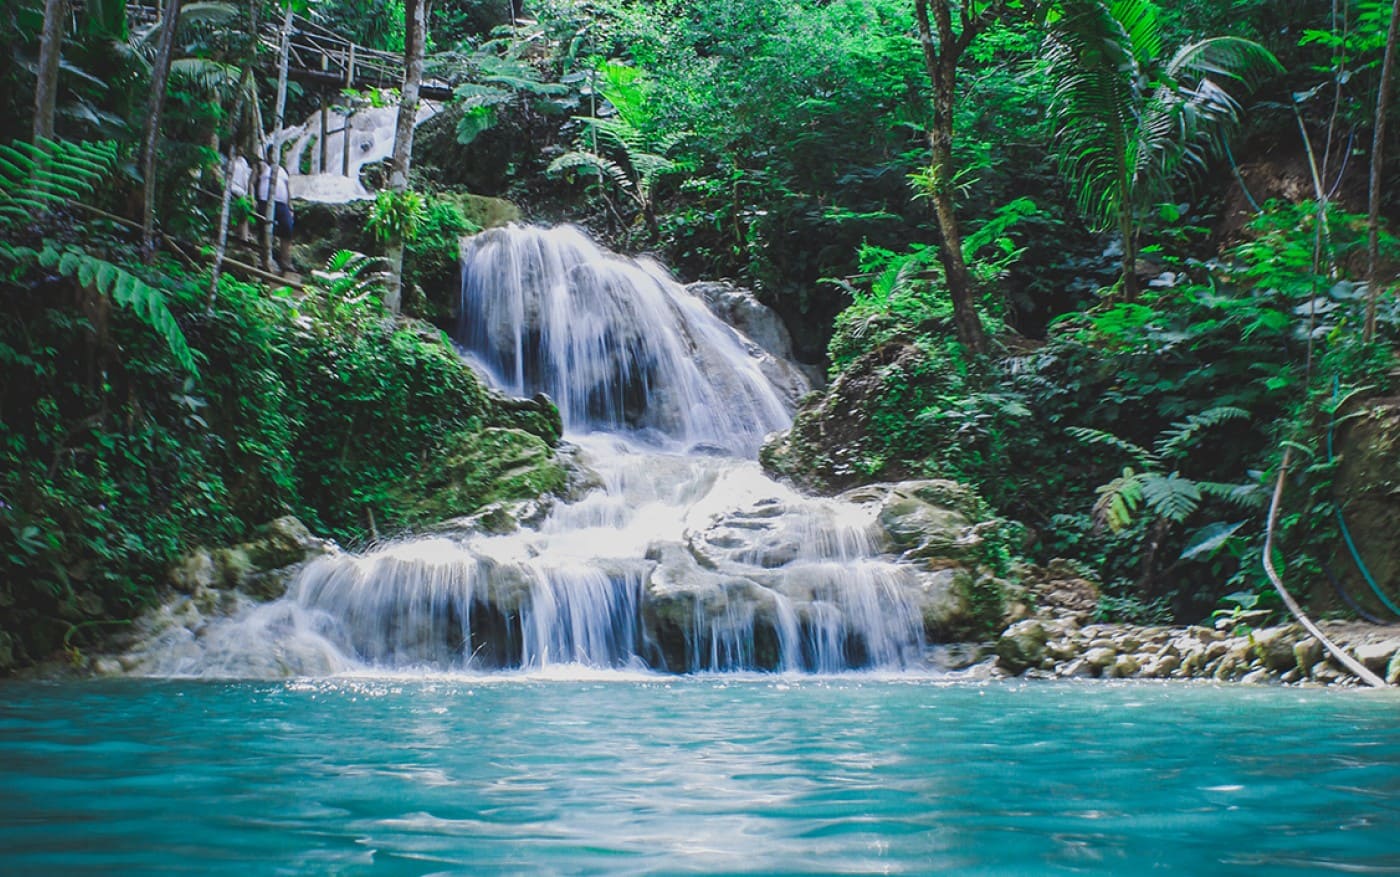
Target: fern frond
<point>127,291</point>
<point>1140,455</point>
<point>1170,496</point>
<point>1244,496</point>
<point>1177,438</point>
<point>1118,500</point>
<point>35,178</point>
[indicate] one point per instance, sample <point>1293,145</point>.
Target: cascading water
<point>616,343</point>
<point>685,558</point>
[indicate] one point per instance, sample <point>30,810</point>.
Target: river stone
<point>1021,646</point>
<point>1256,677</point>
<point>1377,656</point>
<point>1165,665</point>
<point>1275,647</point>
<point>1306,654</point>
<point>1100,659</point>
<point>1126,666</point>
<point>1392,673</point>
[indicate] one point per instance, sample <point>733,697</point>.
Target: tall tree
<point>150,142</point>
<point>415,33</point>
<point>1373,224</point>
<point>944,46</point>
<point>50,52</point>
<point>279,116</point>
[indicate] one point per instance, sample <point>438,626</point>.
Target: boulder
<point>260,567</point>
<point>1367,487</point>
<point>1376,656</point>
<point>1022,646</point>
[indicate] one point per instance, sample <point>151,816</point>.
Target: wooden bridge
<point>321,57</point>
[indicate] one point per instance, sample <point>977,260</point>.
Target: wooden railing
<point>320,55</point>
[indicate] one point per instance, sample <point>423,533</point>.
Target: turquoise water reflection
<point>760,775</point>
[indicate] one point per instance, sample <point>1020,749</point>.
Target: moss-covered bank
<point>115,460</point>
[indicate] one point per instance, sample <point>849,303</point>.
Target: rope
<point>1341,519</point>
<point>1240,178</point>
<point>1348,599</point>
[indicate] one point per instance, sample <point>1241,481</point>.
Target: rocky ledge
<point>1061,640</point>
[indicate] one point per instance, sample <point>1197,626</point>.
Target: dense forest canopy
<point>1104,260</point>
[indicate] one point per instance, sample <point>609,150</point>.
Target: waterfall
<point>686,558</point>
<point>616,343</point>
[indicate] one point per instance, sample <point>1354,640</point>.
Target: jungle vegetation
<point>1102,259</point>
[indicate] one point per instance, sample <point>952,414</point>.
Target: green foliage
<point>1131,122</point>
<point>432,258</point>
<point>37,178</point>
<point>114,458</point>
<point>617,147</point>
<point>397,216</point>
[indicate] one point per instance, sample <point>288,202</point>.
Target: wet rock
<point>1275,647</point>
<point>1100,659</point>
<point>1022,646</point>
<point>1306,654</point>
<point>477,468</point>
<point>761,324</point>
<point>1367,487</point>
<point>260,567</point>
<point>957,656</point>
<point>1125,666</point>
<point>1392,673</point>
<point>1376,656</point>
<point>829,448</point>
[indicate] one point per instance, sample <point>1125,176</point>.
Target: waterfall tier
<point>616,343</point>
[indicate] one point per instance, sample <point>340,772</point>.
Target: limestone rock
<point>1376,656</point>
<point>1022,646</point>
<point>1367,485</point>
<point>1306,654</point>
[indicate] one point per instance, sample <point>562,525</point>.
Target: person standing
<point>239,179</point>
<point>277,185</point>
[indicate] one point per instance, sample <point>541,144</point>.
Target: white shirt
<point>281,194</point>
<point>238,179</point>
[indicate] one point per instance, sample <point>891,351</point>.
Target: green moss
<point>473,469</point>
<point>985,597</point>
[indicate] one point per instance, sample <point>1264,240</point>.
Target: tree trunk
<point>278,119</point>
<point>1373,223</point>
<point>221,244</point>
<point>941,60</point>
<point>50,52</point>
<point>150,143</point>
<point>414,36</point>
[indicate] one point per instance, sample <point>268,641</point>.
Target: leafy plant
<point>1169,495</point>
<point>397,216</point>
<point>616,146</point>
<point>1131,122</point>
<point>38,178</point>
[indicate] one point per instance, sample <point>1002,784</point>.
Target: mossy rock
<point>1367,486</point>
<point>473,469</point>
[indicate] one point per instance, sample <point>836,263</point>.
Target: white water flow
<point>684,557</point>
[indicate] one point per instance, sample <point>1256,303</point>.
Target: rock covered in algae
<point>475,469</point>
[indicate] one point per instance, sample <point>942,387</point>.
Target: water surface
<point>632,775</point>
